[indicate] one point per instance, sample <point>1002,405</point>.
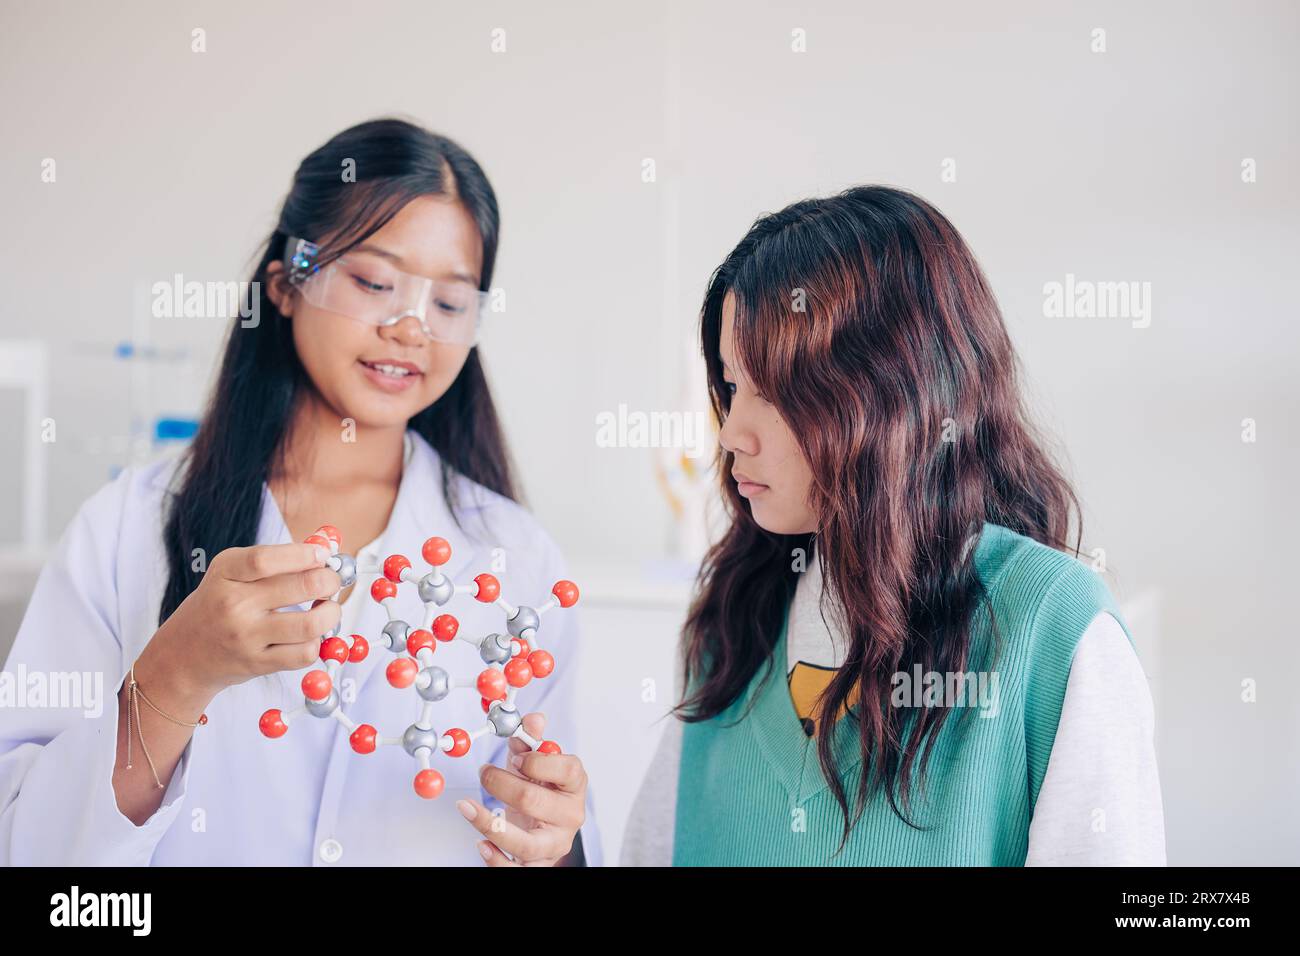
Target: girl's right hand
<point>228,629</point>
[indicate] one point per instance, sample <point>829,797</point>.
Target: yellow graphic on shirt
<point>807,682</point>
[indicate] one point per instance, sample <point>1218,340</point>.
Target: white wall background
<point>1122,165</point>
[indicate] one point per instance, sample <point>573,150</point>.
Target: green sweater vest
<point>751,791</point>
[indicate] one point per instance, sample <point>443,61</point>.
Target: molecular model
<point>513,659</point>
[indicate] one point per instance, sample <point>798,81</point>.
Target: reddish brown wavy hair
<point>899,381</point>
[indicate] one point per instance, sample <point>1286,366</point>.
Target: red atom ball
<point>383,589</point>
<point>334,649</point>
<point>518,672</point>
<point>436,551</point>
<point>459,742</point>
<point>492,684</point>
<point>445,627</point>
<point>394,565</point>
<point>272,724</point>
<point>566,592</point>
<point>360,648</point>
<point>549,747</point>
<point>331,532</point>
<point>363,739</point>
<point>401,672</point>
<point>428,784</point>
<point>316,685</point>
<point>542,663</point>
<point>418,640</point>
<point>489,588</point>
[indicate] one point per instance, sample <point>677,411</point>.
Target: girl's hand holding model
<point>226,632</point>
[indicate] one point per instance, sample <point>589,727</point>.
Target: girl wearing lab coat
<point>352,396</point>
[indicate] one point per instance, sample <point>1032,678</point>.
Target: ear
<point>278,290</point>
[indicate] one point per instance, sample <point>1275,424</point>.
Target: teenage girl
<point>894,656</point>
<point>354,397</point>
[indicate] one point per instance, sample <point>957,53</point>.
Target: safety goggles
<point>367,287</point>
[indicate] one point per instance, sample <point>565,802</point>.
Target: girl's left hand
<point>546,803</point>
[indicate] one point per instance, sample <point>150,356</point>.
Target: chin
<point>369,413</point>
<point>776,523</point>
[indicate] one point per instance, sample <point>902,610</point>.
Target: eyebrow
<point>380,251</point>
<point>400,262</point>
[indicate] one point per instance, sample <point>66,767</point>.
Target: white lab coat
<point>237,797</point>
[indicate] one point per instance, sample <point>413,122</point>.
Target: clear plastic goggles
<point>367,287</point>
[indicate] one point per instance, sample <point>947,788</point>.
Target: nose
<point>735,435</point>
<point>405,331</point>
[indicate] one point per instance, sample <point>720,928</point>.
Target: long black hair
<point>218,504</point>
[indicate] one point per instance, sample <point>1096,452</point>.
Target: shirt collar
<point>420,510</point>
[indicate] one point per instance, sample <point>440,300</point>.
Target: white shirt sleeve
<point>1100,801</point>
<point>57,803</point>
<point>648,839</point>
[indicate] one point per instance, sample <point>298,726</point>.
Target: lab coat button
<point>331,850</point>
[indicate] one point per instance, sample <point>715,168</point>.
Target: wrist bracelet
<point>134,695</point>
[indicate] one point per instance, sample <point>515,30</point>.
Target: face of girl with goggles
<point>384,329</point>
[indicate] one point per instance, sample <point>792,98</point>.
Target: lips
<point>746,486</point>
<point>391,376</point>
<point>394,368</point>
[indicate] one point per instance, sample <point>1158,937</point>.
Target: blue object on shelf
<point>175,429</point>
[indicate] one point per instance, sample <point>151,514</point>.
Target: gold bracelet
<point>134,693</point>
<point>203,718</point>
